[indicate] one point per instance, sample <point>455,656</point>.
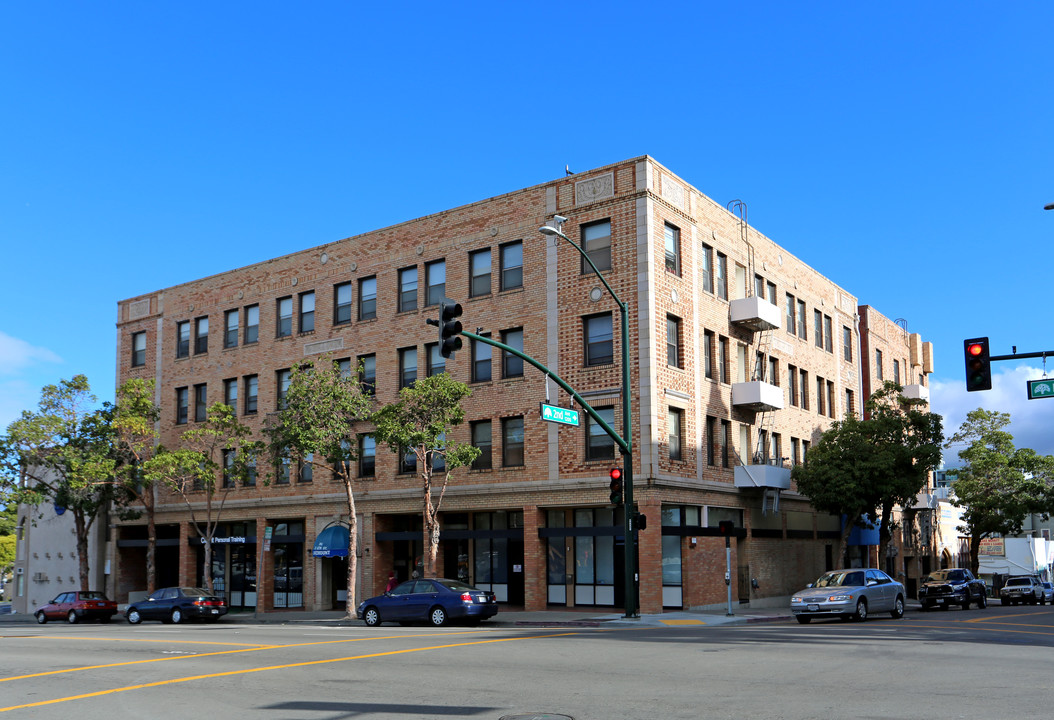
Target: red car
<point>78,605</point>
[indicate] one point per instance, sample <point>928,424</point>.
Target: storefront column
<point>649,554</point>
<point>534,560</point>
<point>188,557</point>
<point>264,569</point>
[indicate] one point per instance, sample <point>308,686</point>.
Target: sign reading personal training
<point>564,416</point>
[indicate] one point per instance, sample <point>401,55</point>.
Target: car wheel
<point>804,620</point>
<point>71,617</point>
<point>371,616</point>
<point>437,616</point>
<point>982,602</point>
<point>41,617</point>
<point>177,615</point>
<point>898,608</point>
<point>134,617</point>
<point>861,610</point>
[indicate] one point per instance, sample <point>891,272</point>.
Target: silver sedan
<point>851,593</point>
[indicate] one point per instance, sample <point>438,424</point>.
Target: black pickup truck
<point>954,586</point>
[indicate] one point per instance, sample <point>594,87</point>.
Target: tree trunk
<point>82,529</point>
<point>351,609</point>
<point>431,531</point>
<point>885,534</point>
<point>975,548</point>
<point>151,545</point>
<point>843,542</point>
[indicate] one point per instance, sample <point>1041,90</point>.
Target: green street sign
<point>564,416</point>
<point>1042,388</point>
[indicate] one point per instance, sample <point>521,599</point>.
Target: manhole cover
<point>535,716</point>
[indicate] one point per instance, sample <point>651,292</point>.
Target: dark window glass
<point>512,442</point>
<point>200,403</point>
<point>512,366</point>
<point>673,249</point>
<point>479,268</point>
<point>596,241</point>
<point>252,324</point>
<point>182,405</point>
<point>183,339</point>
<point>481,354</point>
<point>722,277</point>
<point>367,456</point>
<point>282,378</point>
<point>598,339</point>
<point>436,361</point>
<point>600,445</point>
<point>707,259</point>
<point>252,386</point>
<point>675,423</point>
<point>367,298</point>
<point>407,367</point>
<point>368,373</point>
<point>342,303</point>
<point>435,282</point>
<point>230,333</point>
<point>512,265</point>
<point>201,335</point>
<point>673,342</point>
<point>481,438</point>
<point>408,289</point>
<point>284,323</point>
<point>138,349</point>
<point>307,312</point>
<point>230,393</point>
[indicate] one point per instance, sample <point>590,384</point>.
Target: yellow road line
<point>139,640</point>
<point>229,673</point>
<point>253,648</point>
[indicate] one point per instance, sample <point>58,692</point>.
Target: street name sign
<point>1042,388</point>
<point>564,416</point>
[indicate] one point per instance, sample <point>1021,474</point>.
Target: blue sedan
<point>434,600</point>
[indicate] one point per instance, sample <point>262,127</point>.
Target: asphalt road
<point>992,663</point>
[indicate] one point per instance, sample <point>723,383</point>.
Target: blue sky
<point>905,150</point>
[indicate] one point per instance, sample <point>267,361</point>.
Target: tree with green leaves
<point>135,426</point>
<point>317,426</point>
<point>211,459</point>
<point>861,465</point>
<point>416,426</point>
<point>999,484</point>
<point>63,452</point>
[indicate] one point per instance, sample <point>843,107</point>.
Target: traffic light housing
<point>616,486</point>
<point>978,364</point>
<point>449,327</point>
<point>726,528</point>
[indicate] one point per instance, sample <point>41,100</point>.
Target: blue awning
<point>332,542</point>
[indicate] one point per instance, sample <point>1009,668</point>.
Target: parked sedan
<point>434,600</point>
<point>176,604</point>
<point>954,586</point>
<point>1048,593</point>
<point>851,593</point>
<point>78,605</point>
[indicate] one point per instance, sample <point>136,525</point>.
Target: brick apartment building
<point>741,355</point>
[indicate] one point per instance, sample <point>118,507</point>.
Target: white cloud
<point>1031,421</point>
<point>17,355</point>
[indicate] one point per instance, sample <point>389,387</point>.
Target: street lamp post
<point>631,580</point>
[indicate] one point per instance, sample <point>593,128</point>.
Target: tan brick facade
<point>643,202</point>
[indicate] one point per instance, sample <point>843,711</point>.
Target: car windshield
<point>1018,581</point>
<point>841,579</point>
<point>192,591</point>
<point>455,585</point>
<point>945,576</point>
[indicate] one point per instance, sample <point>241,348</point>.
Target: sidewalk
<point>512,617</point>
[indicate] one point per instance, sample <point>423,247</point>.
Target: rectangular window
<point>712,441</point>
<point>283,470</point>
<point>201,402</point>
<point>250,472</point>
<point>596,241</point>
<point>407,462</point>
<point>228,467</point>
<point>821,394</point>
<point>183,339</point>
<point>847,344</point>
<point>896,371</point>
<point>817,327</point>
<point>282,378</point>
<point>252,324</point>
<point>481,362</point>
<point>138,349</point>
<point>230,394</point>
<point>804,451</point>
<point>367,298</point>
<point>284,317</point>
<point>804,386</point>
<point>777,449</point>
<point>479,273</point>
<point>672,237</point>
<point>707,259</point>
<point>803,330</point>
<point>795,452</point>
<point>849,409</point>
<point>726,442</point>
<point>600,445</point>
<point>512,442</point>
<point>344,368</point>
<point>408,289</point>
<point>306,471</point>
<point>342,303</point>
<point>436,361</point>
<point>722,276</point>
<point>792,385</point>
<point>878,364</point>
<point>182,404</point>
<point>673,341</point>
<point>599,339</point>
<point>792,327</point>
<point>367,456</point>
<point>201,335</point>
<point>759,287</point>
<point>708,354</point>
<point>307,312</point>
<point>230,333</point>
<point>368,374</point>
<point>674,426</point>
<point>511,365</point>
<point>252,389</point>
<point>435,281</point>
<point>830,399</point>
<point>481,439</point>
<point>774,371</point>
<point>511,265</point>
<point>722,359</point>
<point>407,367</point>
<point>828,340</point>
<point>770,288</point>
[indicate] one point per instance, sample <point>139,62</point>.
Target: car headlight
<point>796,600</point>
<point>840,598</point>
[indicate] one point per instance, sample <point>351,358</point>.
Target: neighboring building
<point>889,352</point>
<point>741,356</point>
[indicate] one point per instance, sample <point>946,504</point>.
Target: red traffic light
<point>975,349</point>
<point>978,364</point>
<point>616,473</point>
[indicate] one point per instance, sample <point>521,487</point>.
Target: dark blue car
<point>433,600</point>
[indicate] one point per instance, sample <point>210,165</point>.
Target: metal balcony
<point>756,395</point>
<point>763,475</point>
<point>754,313</point>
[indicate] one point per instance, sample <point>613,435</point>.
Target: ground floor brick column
<point>534,549</point>
<point>264,569</point>
<point>649,555</point>
<point>188,557</point>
